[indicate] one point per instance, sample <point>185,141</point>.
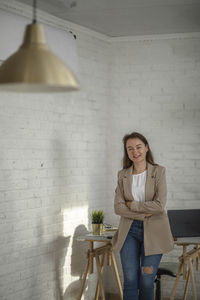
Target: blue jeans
<point>138,282</point>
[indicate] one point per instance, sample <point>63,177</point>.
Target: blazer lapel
<point>127,181</point>
<point>150,180</point>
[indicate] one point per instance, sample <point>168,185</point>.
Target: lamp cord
<point>34,11</point>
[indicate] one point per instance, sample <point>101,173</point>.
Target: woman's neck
<point>139,168</point>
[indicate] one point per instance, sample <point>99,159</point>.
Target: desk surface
<point>188,240</point>
<point>106,237</point>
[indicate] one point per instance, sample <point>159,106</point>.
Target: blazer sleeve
<point>119,204</point>
<point>157,204</point>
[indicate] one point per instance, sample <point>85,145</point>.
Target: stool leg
<point>116,275</point>
<point>98,283</point>
<point>99,276</point>
<point>83,280</point>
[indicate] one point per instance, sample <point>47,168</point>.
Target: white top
<point>138,186</point>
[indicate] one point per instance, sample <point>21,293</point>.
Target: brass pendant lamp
<point>34,68</point>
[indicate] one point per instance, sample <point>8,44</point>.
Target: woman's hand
<point>128,204</point>
<point>148,215</point>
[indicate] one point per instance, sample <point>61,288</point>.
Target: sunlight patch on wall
<point>75,223</point>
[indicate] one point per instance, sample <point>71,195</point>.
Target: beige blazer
<point>157,234</point>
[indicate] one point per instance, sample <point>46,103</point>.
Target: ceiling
<point>117,18</point>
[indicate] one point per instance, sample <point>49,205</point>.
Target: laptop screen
<point>184,222</point>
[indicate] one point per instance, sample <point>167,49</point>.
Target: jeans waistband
<point>138,223</point>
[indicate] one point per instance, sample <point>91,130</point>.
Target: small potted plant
<point>97,217</point>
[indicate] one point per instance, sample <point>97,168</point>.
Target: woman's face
<point>136,150</point>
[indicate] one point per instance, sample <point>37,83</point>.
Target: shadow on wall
<point>61,245</point>
<point>67,285</point>
<point>57,252</point>
<point>78,261</point>
<point>48,258</point>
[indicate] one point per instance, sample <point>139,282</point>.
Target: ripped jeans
<point>138,280</point>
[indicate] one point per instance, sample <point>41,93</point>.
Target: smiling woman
<point>140,199</point>
<point>136,150</point>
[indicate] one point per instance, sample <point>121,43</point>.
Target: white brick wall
<point>155,90</point>
<point>53,173</point>
<point>60,155</point>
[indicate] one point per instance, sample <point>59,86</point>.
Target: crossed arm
<point>141,210</point>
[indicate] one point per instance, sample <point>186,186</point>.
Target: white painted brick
<point>49,170</point>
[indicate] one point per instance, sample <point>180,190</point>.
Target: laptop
<point>184,222</point>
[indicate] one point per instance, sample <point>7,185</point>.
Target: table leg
<point>197,263</point>
<point>84,279</point>
<point>109,258</point>
<point>91,257</point>
<point>186,285</point>
<point>99,275</point>
<point>98,283</point>
<point>176,281</point>
<point>116,275</point>
<point>184,265</point>
<point>192,279</point>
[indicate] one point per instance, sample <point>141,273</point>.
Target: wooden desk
<point>101,251</point>
<point>186,264</point>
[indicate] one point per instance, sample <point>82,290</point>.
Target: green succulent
<point>97,216</point>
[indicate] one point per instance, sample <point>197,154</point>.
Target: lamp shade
<point>34,68</point>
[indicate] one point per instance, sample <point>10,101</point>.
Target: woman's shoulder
<point>158,169</point>
<point>121,173</point>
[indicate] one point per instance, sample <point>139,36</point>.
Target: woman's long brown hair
<point>149,156</point>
